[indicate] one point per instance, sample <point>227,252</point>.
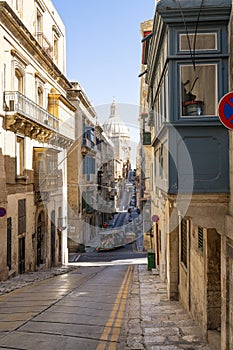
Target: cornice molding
<point>12,22</point>
<point>41,5</point>
<point>20,57</point>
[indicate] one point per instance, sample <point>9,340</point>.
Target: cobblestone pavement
<point>25,279</point>
<point>154,322</point>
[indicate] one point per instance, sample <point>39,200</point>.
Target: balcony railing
<point>18,103</point>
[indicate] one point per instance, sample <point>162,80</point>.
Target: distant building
<point>90,173</point>
<point>119,134</point>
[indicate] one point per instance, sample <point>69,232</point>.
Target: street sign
<point>225,110</point>
<point>2,212</point>
<point>155,218</point>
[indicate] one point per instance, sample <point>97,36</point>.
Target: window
<point>4,78</point>
<point>184,246</point>
<point>55,49</point>
<point>89,135</point>
<point>40,168</point>
<point>40,98</point>
<point>203,41</point>
<point>46,161</point>
<point>18,7</point>
<point>161,169</point>
<point>19,86</point>
<point>88,165</point>
<point>198,89</point>
<point>51,163</point>
<point>88,201</point>
<point>98,144</point>
<point>155,163</point>
<point>19,156</point>
<point>39,26</point>
<point>200,238</point>
<point>21,216</point>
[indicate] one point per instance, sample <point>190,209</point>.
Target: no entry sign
<point>225,110</point>
<point>2,212</point>
<point>155,218</point>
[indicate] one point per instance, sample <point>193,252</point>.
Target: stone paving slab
<point>163,324</point>
<point>153,322</point>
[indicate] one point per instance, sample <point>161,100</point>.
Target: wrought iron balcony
<point>16,106</point>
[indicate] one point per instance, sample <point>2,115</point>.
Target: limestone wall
<point>3,221</point>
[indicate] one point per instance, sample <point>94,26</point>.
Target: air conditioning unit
<point>91,178</point>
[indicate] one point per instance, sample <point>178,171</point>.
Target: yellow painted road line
<point>107,329</point>
<point>116,334</point>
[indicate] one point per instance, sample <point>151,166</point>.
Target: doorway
<point>9,242</point>
<point>213,293</point>
<point>53,238</point>
<point>229,296</point>
<point>21,255</point>
<point>40,238</point>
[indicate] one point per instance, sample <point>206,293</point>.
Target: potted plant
<point>191,106</point>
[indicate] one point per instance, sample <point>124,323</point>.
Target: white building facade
<point>37,129</point>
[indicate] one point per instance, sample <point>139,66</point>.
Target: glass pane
<point>204,41</point>
<point>198,89</point>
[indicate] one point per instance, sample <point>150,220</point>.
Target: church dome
<point>114,126</point>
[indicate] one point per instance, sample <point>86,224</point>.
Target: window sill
<point>21,178</point>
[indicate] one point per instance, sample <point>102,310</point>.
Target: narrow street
<point>110,301</point>
<point>80,310</point>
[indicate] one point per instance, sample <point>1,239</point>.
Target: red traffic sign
<point>155,218</point>
<point>225,110</point>
<point>2,212</point>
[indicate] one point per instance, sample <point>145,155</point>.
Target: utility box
<point>151,259</point>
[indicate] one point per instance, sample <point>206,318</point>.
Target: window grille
<point>184,242</point>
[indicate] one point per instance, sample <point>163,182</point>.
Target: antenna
<point>191,50</point>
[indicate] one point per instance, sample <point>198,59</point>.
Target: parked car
<point>134,214</point>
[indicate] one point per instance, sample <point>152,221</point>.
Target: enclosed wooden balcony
<point>88,147</point>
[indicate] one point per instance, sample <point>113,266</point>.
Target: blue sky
<point>104,46</point>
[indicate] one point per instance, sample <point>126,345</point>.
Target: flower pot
<point>193,108</point>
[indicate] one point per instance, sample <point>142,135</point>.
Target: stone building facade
<point>90,174</point>
<point>145,155</point>
<point>191,168</point>
<point>37,128</point>
<point>227,238</point>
